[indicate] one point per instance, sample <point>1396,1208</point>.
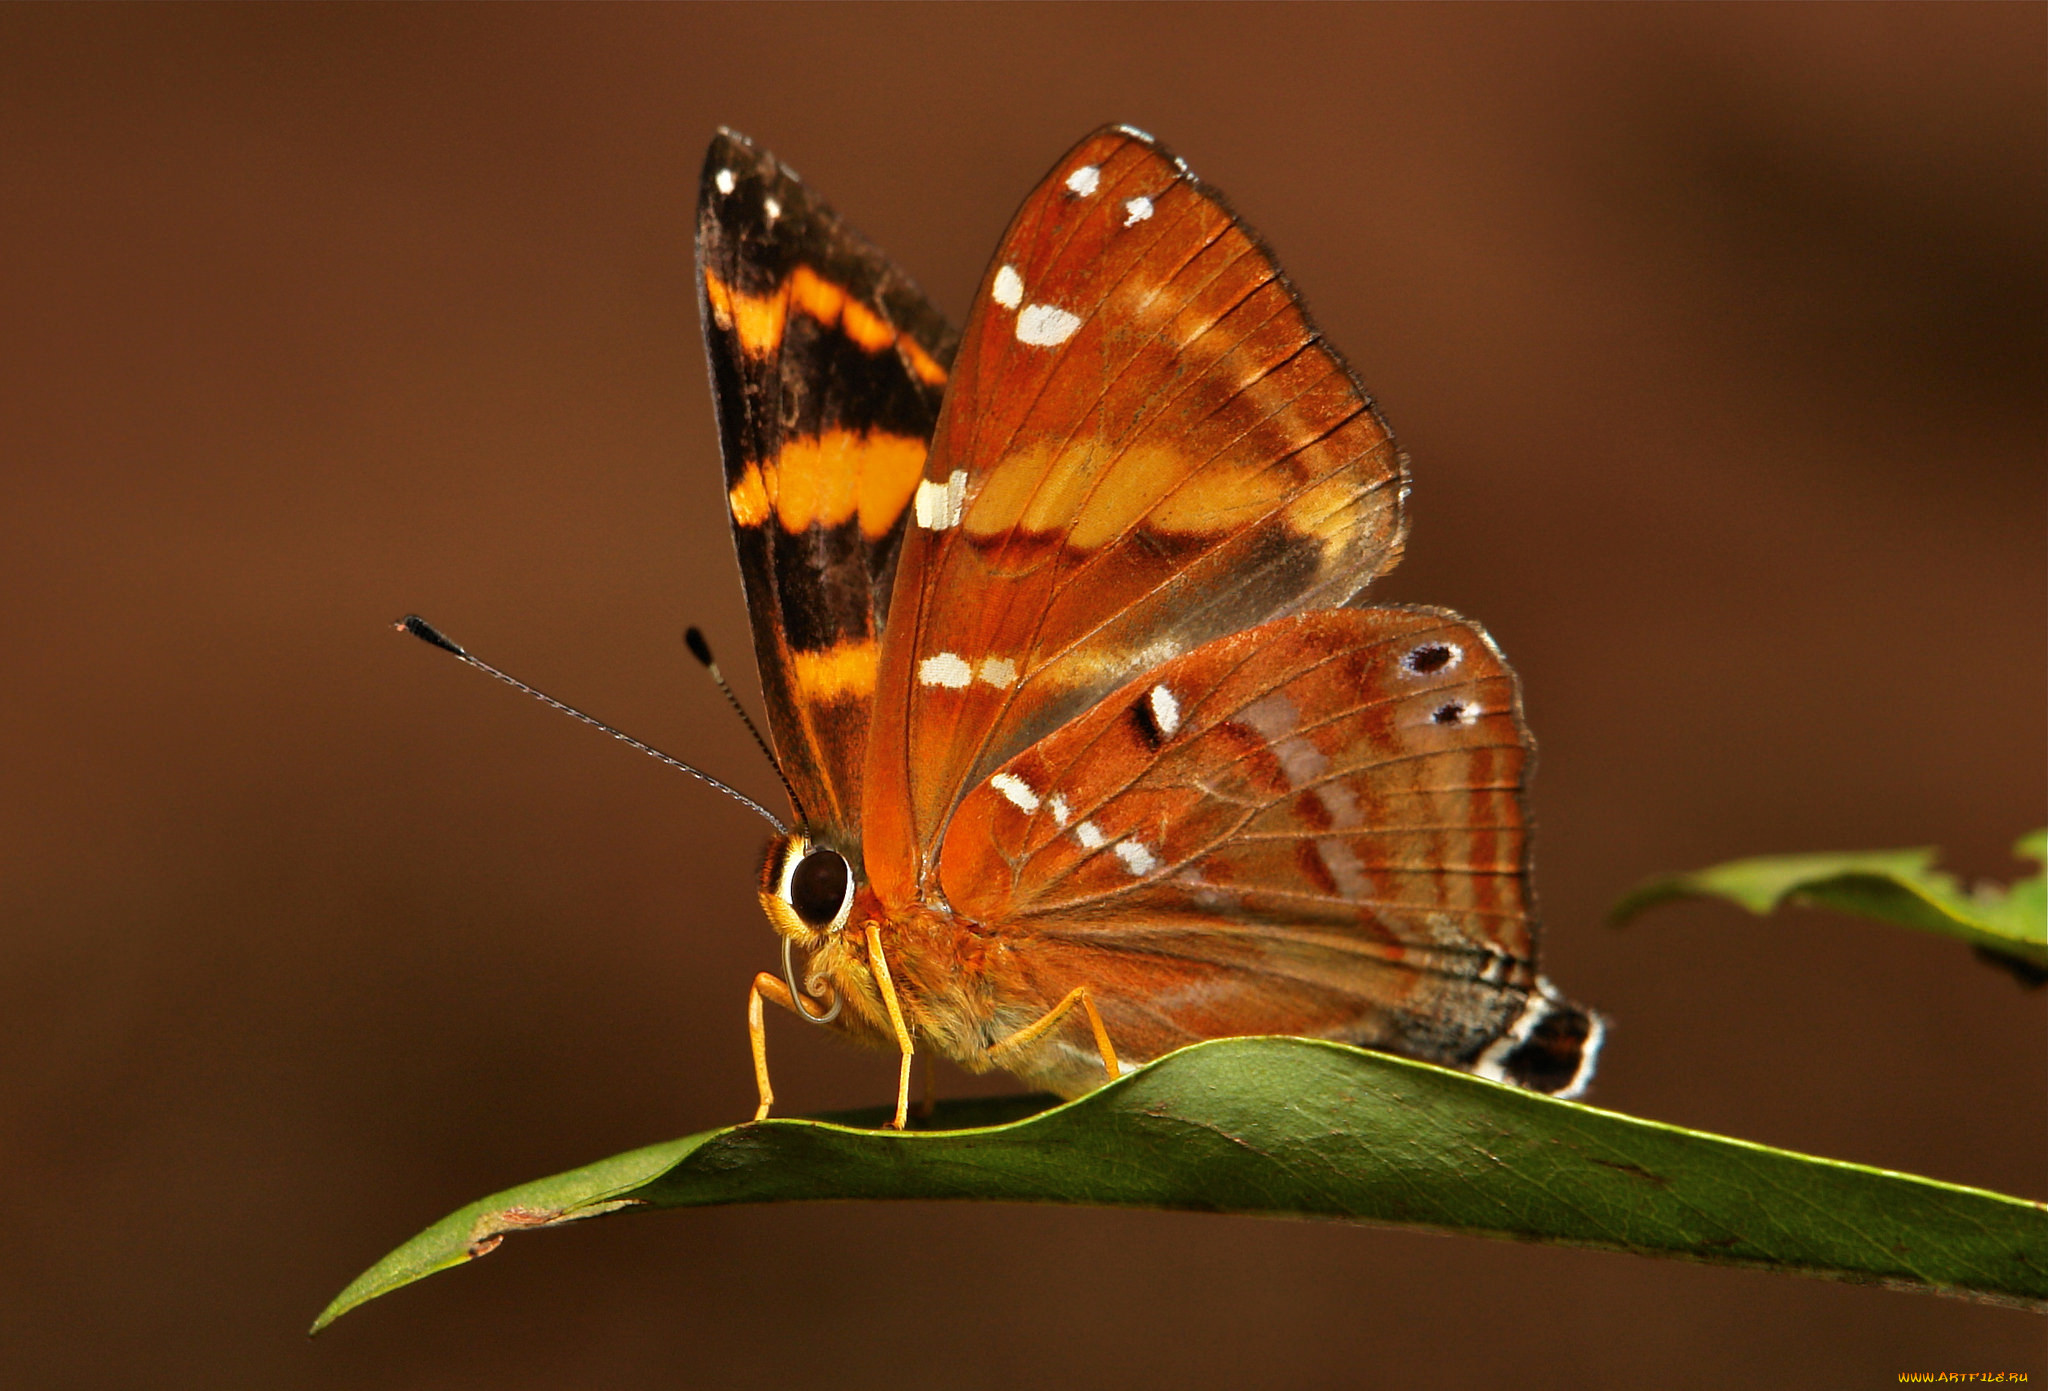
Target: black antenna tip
<point>699,648</point>
<point>427,632</point>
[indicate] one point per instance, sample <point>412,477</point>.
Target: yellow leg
<point>1031,1033</point>
<point>879,964</point>
<point>766,987</point>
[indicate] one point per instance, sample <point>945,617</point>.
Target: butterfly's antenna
<point>701,650</point>
<point>428,633</point>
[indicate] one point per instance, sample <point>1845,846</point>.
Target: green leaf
<point>1894,886</point>
<point>1293,1127</point>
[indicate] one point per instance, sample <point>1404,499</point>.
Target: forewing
<point>1145,445</point>
<point>1314,827</point>
<point>827,367</point>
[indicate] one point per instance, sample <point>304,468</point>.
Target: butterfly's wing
<point>827,367</point>
<point>1126,734</point>
<point>1314,827</point>
<point>1145,445</point>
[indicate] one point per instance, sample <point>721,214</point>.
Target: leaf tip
<point>381,1279</point>
<point>1645,896</point>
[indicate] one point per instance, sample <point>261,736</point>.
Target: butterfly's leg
<point>1031,1033</point>
<point>766,987</point>
<point>879,963</point>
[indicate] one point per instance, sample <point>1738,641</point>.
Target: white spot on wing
<point>1045,326</point>
<point>1016,790</point>
<point>944,669</point>
<point>1057,804</point>
<point>999,672</point>
<point>938,504</point>
<point>1165,710</point>
<point>1009,288</point>
<point>1084,179</point>
<point>1089,836</point>
<point>1136,210</point>
<point>1137,859</point>
<point>724,179</point>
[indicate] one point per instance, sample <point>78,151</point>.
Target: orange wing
<point>1314,827</point>
<point>1145,445</point>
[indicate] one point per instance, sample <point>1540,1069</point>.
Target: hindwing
<point>1313,827</point>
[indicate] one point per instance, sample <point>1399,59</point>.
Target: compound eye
<point>821,887</point>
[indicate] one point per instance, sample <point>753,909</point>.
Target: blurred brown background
<point>1716,334</point>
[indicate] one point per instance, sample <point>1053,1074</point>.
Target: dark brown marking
<point>1632,1170</point>
<point>1310,860</point>
<point>1548,1059</point>
<point>1431,656</point>
<point>1147,722</point>
<point>1253,758</point>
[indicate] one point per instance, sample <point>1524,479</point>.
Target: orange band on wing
<point>748,498</point>
<point>756,319</point>
<point>843,669</point>
<point>816,296</point>
<point>829,479</point>
<point>830,305</point>
<point>816,480</point>
<point>865,327</point>
<point>923,364</point>
<point>760,319</point>
<point>891,468</point>
<point>721,301</point>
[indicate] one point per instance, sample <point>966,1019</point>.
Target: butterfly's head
<point>807,890</point>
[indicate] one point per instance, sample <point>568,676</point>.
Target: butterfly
<point>1093,753</point>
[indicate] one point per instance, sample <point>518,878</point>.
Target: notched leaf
<point>490,1227</point>
<point>2006,924</point>
<point>1294,1127</point>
